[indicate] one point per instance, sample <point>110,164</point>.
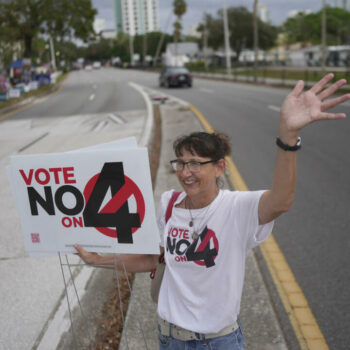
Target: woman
<point>210,231</point>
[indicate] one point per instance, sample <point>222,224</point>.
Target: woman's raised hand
<point>87,257</point>
<point>302,108</point>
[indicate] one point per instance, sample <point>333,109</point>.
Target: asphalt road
<point>88,92</point>
<point>314,235</point>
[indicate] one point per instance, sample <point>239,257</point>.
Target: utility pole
<point>160,43</point>
<point>131,48</point>
<point>227,41</point>
<point>205,46</point>
<point>53,56</point>
<point>324,33</point>
<point>144,48</point>
<point>255,26</point>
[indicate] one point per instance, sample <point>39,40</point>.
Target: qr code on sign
<point>35,237</point>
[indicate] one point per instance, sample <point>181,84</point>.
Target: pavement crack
<point>33,142</point>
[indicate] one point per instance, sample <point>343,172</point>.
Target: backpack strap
<point>171,203</point>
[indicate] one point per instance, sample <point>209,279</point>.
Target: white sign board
<point>14,93</point>
<point>33,85</point>
<point>101,199</point>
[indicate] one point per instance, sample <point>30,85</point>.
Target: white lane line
<point>274,108</point>
<point>100,125</point>
<point>209,91</point>
<point>147,129</point>
<point>92,96</point>
<point>116,119</point>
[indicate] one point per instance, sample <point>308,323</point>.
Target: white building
<point>263,13</point>
<point>99,25</point>
<point>294,13</point>
<point>108,34</point>
<point>136,16</point>
<point>344,4</point>
<point>181,53</point>
<point>193,31</point>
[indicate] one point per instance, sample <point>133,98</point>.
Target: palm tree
<point>180,8</point>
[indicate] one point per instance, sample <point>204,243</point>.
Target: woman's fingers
<point>331,90</point>
<point>319,86</point>
<point>331,116</point>
<point>298,89</point>
<point>334,102</point>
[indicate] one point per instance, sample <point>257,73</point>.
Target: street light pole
<point>324,33</point>
<point>53,57</point>
<point>131,48</point>
<point>255,25</point>
<point>227,41</point>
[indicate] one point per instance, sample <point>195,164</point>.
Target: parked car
<point>175,76</point>
<point>88,67</point>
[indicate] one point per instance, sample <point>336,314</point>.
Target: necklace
<point>195,235</point>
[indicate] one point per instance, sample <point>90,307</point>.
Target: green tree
<point>241,30</point>
<point>153,39</point>
<point>307,28</point>
<point>25,20</point>
<point>121,47</point>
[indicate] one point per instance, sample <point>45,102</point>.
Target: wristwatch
<point>286,147</point>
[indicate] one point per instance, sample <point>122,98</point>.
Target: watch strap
<point>286,147</point>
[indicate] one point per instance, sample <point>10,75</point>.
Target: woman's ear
<point>220,167</point>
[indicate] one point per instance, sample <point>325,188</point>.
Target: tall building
<point>344,4</point>
<point>136,16</point>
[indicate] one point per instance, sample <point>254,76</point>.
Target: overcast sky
<point>195,8</point>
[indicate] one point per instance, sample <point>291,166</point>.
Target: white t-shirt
<point>202,284</point>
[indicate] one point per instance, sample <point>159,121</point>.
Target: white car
<point>96,65</point>
<point>88,67</point>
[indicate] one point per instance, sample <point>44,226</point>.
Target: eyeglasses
<point>192,165</point>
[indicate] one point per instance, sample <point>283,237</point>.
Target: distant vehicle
<point>96,65</point>
<point>88,67</point>
<point>175,76</point>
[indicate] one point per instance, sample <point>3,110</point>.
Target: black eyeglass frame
<point>191,161</point>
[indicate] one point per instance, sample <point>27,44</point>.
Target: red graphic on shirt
<point>202,251</point>
<point>205,252</point>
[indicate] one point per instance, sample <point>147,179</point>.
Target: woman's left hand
<point>302,108</point>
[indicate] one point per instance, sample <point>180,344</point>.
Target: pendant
<point>191,223</point>
<point>195,236</point>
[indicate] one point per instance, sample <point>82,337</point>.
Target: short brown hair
<point>214,145</point>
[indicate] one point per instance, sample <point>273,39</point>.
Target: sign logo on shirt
<point>202,251</point>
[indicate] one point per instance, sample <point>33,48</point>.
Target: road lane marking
<point>116,119</point>
<point>209,91</point>
<point>33,142</point>
<point>92,96</point>
<point>147,129</point>
<point>99,125</point>
<point>300,315</point>
<point>274,108</point>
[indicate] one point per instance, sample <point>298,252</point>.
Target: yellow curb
<point>296,306</point>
